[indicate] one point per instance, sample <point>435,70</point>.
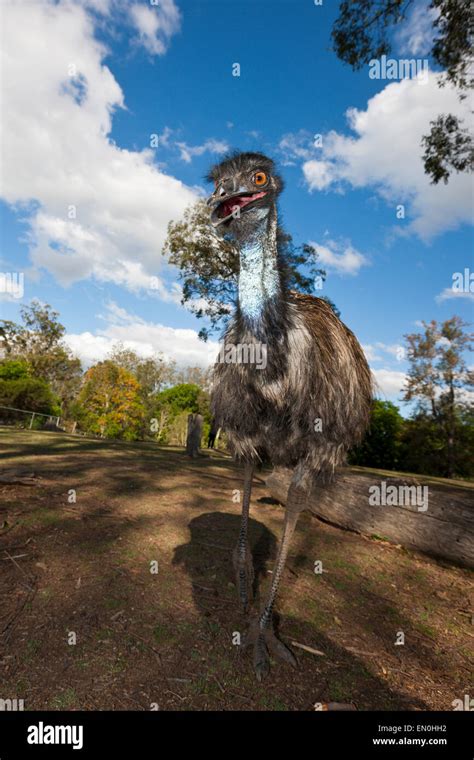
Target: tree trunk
<point>445,528</point>
<point>451,430</point>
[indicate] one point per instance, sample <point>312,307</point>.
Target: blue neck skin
<point>259,279</point>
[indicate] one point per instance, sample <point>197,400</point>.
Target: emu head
<point>246,187</point>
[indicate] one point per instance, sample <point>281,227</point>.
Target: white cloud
<point>343,259</point>
<point>59,161</point>
<point>385,153</point>
<point>389,382</point>
<point>187,152</point>
<point>210,146</point>
<point>318,174</point>
<point>395,349</point>
<point>146,338</point>
<point>416,34</point>
<point>448,293</point>
<point>90,348</point>
<point>156,24</point>
<point>370,353</point>
<point>180,345</point>
<point>295,146</point>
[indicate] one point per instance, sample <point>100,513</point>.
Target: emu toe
<point>244,575</point>
<point>265,643</point>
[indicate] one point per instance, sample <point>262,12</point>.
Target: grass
<point>422,479</point>
<point>162,634</point>
<point>64,701</point>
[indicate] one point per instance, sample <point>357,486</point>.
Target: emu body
<point>310,402</point>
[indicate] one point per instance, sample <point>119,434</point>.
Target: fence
<point>50,420</point>
<point>9,416</point>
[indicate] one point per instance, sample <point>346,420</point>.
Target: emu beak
<point>229,198</point>
<point>226,189</point>
<point>212,200</point>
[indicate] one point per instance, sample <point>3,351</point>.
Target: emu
<point>310,401</point>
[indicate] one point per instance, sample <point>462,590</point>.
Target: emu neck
<point>259,277</point>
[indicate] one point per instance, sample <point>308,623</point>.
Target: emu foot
<point>244,575</point>
<point>265,643</point>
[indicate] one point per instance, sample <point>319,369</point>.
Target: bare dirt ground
<point>166,639</point>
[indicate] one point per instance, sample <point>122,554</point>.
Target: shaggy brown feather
<point>316,371</point>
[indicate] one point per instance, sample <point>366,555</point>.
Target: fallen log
<point>417,513</point>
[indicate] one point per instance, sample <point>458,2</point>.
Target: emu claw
<point>266,643</point>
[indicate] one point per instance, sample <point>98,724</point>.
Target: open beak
<point>226,206</point>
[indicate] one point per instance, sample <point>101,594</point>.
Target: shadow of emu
<point>207,557</point>
<point>339,676</point>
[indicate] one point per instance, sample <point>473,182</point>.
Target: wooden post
<point>193,439</point>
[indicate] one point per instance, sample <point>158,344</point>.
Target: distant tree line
<point>438,438</point>
<point>125,396</point>
<point>132,398</point>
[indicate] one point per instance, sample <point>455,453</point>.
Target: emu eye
<point>260,179</point>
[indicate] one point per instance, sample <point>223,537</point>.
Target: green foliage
<point>109,403</point>
<point>452,45</point>
<point>424,449</point>
<point>362,32</point>
<point>421,446</point>
<point>381,445</point>
<point>29,393</point>
<point>172,408</point>
<point>439,380</point>
<point>41,331</point>
<point>448,146</point>
<point>38,341</point>
<point>416,445</point>
<point>151,373</point>
<point>176,430</point>
<point>124,396</point>
<point>20,390</point>
<point>183,397</point>
<point>439,438</point>
<point>14,369</point>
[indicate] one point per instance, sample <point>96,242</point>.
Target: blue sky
<point>86,199</point>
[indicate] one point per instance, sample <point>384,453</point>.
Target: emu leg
<point>242,556</point>
<point>261,634</point>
